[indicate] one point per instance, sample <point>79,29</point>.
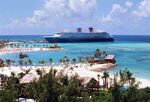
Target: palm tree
<point>104,53</point>
<point>61,60</point>
<point>14,45</point>
<point>21,62</point>
<point>42,62</point>
<point>20,75</point>
<point>98,54</point>
<point>22,45</point>
<point>18,45</point>
<point>26,93</point>
<point>26,45</point>
<point>81,60</point>
<point>122,77</point>
<point>98,76</point>
<point>129,76</point>
<point>39,72</point>
<point>67,60</point>
<point>74,61</point>
<point>54,71</point>
<point>12,85</point>
<point>105,79</point>
<point>3,81</point>
<point>50,61</point>
<point>110,82</point>
<point>91,60</point>
<point>64,60</point>
<point>97,50</point>
<point>11,46</point>
<point>25,62</point>
<point>27,71</point>
<point>8,61</point>
<point>30,62</point>
<point>116,92</point>
<point>13,62</point>
<point>2,64</point>
<point>125,76</point>
<point>65,57</point>
<point>6,45</point>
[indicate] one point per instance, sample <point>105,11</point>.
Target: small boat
<point>54,46</point>
<point>22,55</point>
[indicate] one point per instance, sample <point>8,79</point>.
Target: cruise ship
<point>79,36</point>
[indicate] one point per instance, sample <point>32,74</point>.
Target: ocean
<point>131,51</point>
<point>118,38</point>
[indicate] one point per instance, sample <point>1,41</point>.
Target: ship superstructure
<point>79,36</point>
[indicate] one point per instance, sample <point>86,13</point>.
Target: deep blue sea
<point>131,51</point>
<point>118,38</point>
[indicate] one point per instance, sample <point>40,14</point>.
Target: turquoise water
<point>132,55</point>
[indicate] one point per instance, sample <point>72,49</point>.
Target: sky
<point>28,17</point>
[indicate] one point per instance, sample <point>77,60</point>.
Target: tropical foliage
<point>61,88</point>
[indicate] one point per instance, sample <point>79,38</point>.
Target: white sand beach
<point>82,70</point>
<point>18,50</point>
<point>143,82</point>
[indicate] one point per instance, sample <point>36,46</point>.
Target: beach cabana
<point>110,59</point>
<point>28,78</point>
<point>98,60</point>
<point>90,83</point>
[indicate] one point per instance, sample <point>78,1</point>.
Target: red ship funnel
<point>79,29</point>
<point>90,29</point>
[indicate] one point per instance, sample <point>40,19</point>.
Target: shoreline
<point>70,70</point>
<point>19,50</point>
<point>143,82</point>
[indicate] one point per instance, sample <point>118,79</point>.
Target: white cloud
<point>122,19</point>
<point>116,14</point>
<point>55,12</point>
<point>129,4</point>
<point>143,9</point>
<point>59,14</point>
